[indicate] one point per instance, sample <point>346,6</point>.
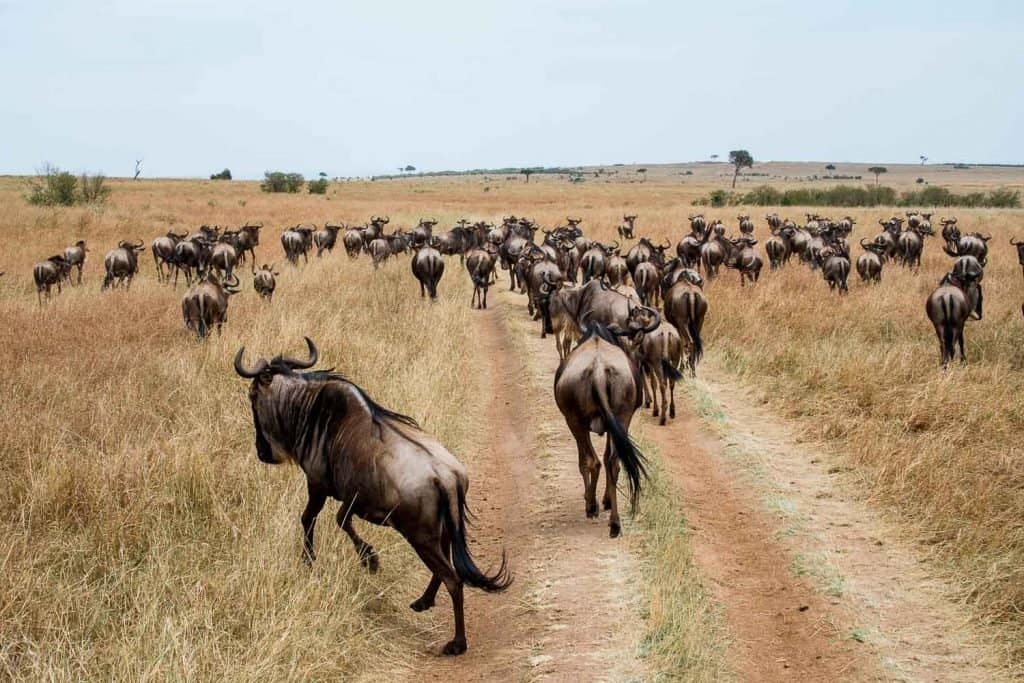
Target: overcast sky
<point>353,88</point>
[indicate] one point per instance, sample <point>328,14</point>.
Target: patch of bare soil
<point>571,613</point>
<point>813,583</point>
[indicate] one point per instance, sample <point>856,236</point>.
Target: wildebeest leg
<point>430,551</point>
<point>313,507</point>
<point>611,478</point>
<point>590,467</point>
<point>663,388</point>
<point>648,376</point>
<point>426,601</point>
<point>367,555</point>
<point>960,342</point>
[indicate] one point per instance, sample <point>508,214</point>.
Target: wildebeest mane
<point>378,413</point>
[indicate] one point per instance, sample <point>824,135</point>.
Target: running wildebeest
<point>206,304</point>
<point>378,463</point>
<point>122,264</point>
<point>264,281</point>
<point>75,258</point>
<point>597,389</point>
<point>428,267</point>
<point>626,229</point>
<point>163,253</point>
<point>326,239</point>
<point>48,273</point>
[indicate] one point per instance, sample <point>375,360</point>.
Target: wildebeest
<point>714,249</point>
<point>326,238</point>
<point>223,256</point>
<point>974,244</point>
<point>191,254</point>
<point>378,463</point>
<point>775,247</point>
<point>379,250</point>
<point>869,263</point>
<point>660,354</point>
<point>163,253</point>
<point>264,281</point>
<point>428,267</point>
<point>206,304</point>
<point>743,257</point>
<point>121,264</point>
<point>480,264</point>
<point>353,241</point>
<point>626,229</point>
<point>597,389</point>
<point>594,260</point>
<point>835,269</point>
<point>948,307</point>
<point>246,239</point>
<point>423,231</point>
<point>646,278</point>
<point>645,250</point>
<point>746,225</point>
<point>75,258</point>
<point>1020,252</point>
<point>559,318</point>
<point>616,270</point>
<point>48,273</point>
<point>910,244</point>
<point>297,242</point>
<point>685,307</point>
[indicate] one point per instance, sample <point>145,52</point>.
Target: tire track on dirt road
<point>572,613</point>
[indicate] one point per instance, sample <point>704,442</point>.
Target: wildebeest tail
<point>948,328</point>
<point>670,370</point>
<point>625,450</point>
<point>201,327</point>
<point>693,329</point>
<point>453,515</point>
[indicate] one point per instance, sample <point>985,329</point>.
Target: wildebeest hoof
<point>614,530</point>
<point>591,510</point>
<point>672,412</point>
<point>455,647</point>
<point>421,605</point>
<point>655,412</point>
<point>607,503</point>
<point>663,421</point>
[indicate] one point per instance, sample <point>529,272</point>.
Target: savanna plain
<point>140,538</point>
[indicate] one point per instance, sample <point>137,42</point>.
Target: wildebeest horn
<point>862,242</point>
<point>300,364</point>
<point>1014,242</point>
<point>242,371</point>
<point>668,243</point>
<point>233,282</point>
<point>657,320</point>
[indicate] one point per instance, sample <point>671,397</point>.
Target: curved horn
<point>657,320</point>
<point>1015,243</point>
<point>242,371</point>
<point>303,365</point>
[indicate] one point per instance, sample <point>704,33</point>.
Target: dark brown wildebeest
<point>845,226</point>
<point>646,278</point>
<point>223,257</point>
<point>910,245</point>
<point>616,270</point>
<point>975,244</point>
<point>398,242</point>
<point>835,269</point>
<point>480,264</point>
<point>380,250</point>
<point>775,247</point>
<point>713,250</point>
<point>948,308</point>
<point>597,389</point>
<point>246,239</point>
<point>950,233</point>
<point>264,281</point>
<point>660,355</point>
<point>206,304</point>
<point>685,307</point>
<point>75,258</point>
<point>746,225</point>
<point>163,253</point>
<point>626,229</point>
<point>559,320</point>
<point>869,264</point>
<point>743,257</point>
<point>774,222</point>
<point>538,270</point>
<point>423,231</point>
<point>191,254</point>
<point>595,259</point>
<point>297,242</point>
<point>1020,252</point>
<point>48,273</point>
<point>353,241</point>
<point>378,463</point>
<point>326,238</point>
<point>428,267</point>
<point>122,264</point>
<point>688,248</point>
<point>645,250</point>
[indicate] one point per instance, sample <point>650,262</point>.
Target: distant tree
<point>740,159</point>
<point>527,172</point>
<point>318,186</point>
<point>713,157</point>
<point>923,159</point>
<point>830,167</point>
<point>276,181</point>
<point>643,174</point>
<point>223,175</point>
<point>138,169</point>
<point>878,170</point>
<point>410,169</point>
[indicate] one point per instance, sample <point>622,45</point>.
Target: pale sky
<point>354,88</point>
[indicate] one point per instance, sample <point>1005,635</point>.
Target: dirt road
<point>812,585</point>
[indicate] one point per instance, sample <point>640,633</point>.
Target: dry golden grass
<point>142,538</point>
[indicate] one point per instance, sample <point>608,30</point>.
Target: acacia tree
<point>878,170</point>
<point>527,172</point>
<point>924,159</point>
<point>830,167</point>
<point>740,159</point>
<point>643,174</point>
<point>138,169</point>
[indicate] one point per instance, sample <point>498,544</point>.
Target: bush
<point>868,195</point>
<point>223,175</point>
<point>276,181</point>
<point>54,187</point>
<point>317,186</point>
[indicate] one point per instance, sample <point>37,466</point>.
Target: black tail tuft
<point>625,450</point>
<point>462,560</point>
<point>670,370</point>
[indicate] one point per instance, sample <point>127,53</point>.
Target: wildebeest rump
<point>378,463</point>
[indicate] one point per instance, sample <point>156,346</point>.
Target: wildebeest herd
<point>627,326</point>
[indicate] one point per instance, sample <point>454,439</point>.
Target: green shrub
<point>276,181</point>
<point>868,195</point>
<point>53,187</point>
<point>317,186</point>
<point>223,175</point>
